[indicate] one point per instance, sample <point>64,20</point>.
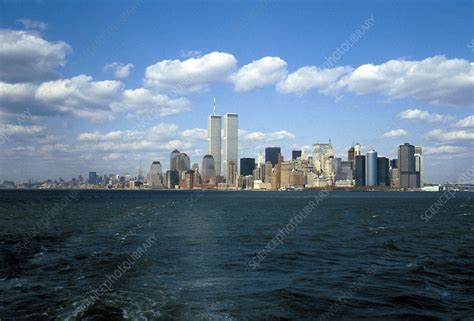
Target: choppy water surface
<point>372,249</point>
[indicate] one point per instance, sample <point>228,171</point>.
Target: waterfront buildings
<point>173,159</point>
<point>408,176</point>
<point>208,168</point>
<point>231,141</point>
<point>271,155</point>
<point>322,158</point>
<point>371,178</point>
<point>247,166</point>
<point>383,173</point>
<point>214,141</point>
<point>295,154</point>
<point>359,170</point>
<point>156,175</point>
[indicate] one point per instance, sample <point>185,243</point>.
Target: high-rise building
<point>351,154</point>
<point>247,165</point>
<point>342,170</point>
<point>231,174</point>
<point>357,149</point>
<point>93,179</point>
<point>214,141</point>
<point>231,140</point>
<point>172,178</point>
<point>156,175</point>
<point>383,174</point>
<point>183,163</point>
<point>322,158</point>
<point>408,177</point>
<point>359,170</point>
<point>268,172</point>
<point>295,154</point>
<point>271,155</point>
<point>208,168</point>
<point>173,160</point>
<point>419,168</point>
<point>394,163</point>
<point>371,178</point>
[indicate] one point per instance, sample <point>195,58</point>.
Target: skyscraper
<point>173,159</point>
<point>295,154</point>
<point>383,174</point>
<point>371,178</point>
<point>322,158</point>
<point>357,149</point>
<point>231,140</point>
<point>419,168</point>
<point>359,170</point>
<point>408,177</point>
<point>247,165</point>
<point>156,175</point>
<point>351,154</point>
<point>214,141</point>
<point>208,168</point>
<point>231,174</point>
<point>271,155</point>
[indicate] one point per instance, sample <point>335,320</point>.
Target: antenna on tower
<point>214,106</point>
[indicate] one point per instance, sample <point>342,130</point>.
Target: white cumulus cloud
<point>259,73</point>
<point>425,115</point>
<point>395,133</point>
<point>309,77</point>
<point>466,122</point>
<point>25,56</point>
<point>191,75</point>
<point>118,69</point>
<point>456,135</point>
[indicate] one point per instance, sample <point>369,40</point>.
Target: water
<point>371,249</point>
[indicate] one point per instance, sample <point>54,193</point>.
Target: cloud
<point>457,135</point>
<point>424,115</point>
<point>142,101</point>
<point>195,133</point>
<point>27,57</point>
<point>110,136</point>
<point>395,133</point>
<point>445,149</point>
<point>33,24</point>
<point>259,73</point>
<point>191,75</point>
<point>118,69</point>
<point>80,96</point>
<point>466,122</point>
<point>113,157</point>
<point>260,136</point>
<point>8,130</point>
<point>162,132</point>
<point>190,53</point>
<point>436,80</point>
<point>310,77</point>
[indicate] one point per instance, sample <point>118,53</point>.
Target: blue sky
<point>408,78</point>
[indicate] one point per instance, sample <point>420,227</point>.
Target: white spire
<point>214,106</point>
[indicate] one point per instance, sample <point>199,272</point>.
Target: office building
<point>419,164</point>
<point>172,178</point>
<point>247,165</point>
<point>408,177</point>
<point>322,159</point>
<point>383,173</point>
<point>214,141</point>
<point>295,154</point>
<point>93,179</point>
<point>371,178</point>
<point>394,163</point>
<point>183,163</point>
<point>271,155</point>
<point>173,159</point>
<point>351,154</point>
<point>156,175</point>
<point>357,150</point>
<point>231,141</point>
<point>231,174</point>
<point>208,168</point>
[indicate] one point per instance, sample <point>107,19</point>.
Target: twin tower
<point>231,142</point>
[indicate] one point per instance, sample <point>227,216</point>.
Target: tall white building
<point>214,141</point>
<point>231,140</point>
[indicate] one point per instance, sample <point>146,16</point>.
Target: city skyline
<point>113,92</point>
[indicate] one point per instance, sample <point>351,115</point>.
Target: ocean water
<point>205,256</point>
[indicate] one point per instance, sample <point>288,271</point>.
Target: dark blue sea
<point>182,255</point>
